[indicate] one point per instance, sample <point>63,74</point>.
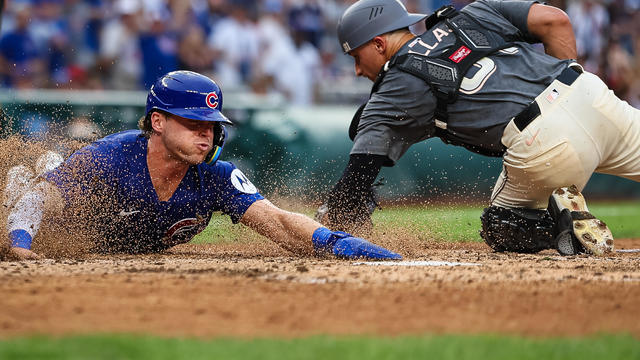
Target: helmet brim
<point>416,17</point>
<point>201,115</point>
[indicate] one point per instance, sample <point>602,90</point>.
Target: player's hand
<point>18,253</point>
<point>345,245</point>
<point>354,248</point>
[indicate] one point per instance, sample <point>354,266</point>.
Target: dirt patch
<point>244,290</point>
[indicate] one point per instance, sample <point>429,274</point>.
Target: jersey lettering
<point>439,34</point>
<point>419,47</point>
<point>480,73</point>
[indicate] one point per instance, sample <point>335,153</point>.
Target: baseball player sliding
<point>147,190</point>
<point>473,79</point>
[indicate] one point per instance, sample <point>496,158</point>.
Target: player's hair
<point>144,123</point>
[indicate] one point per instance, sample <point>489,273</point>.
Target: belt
<point>532,111</point>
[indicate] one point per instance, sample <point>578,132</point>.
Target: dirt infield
<point>246,291</point>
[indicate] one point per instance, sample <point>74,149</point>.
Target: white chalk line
<point>415,263</point>
<point>628,250</point>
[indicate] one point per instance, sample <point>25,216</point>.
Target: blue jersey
<point>107,185</point>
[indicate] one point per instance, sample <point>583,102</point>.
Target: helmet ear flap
<point>219,137</point>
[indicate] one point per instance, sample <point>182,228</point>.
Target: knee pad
<point>517,230</point>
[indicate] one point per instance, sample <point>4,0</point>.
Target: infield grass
<point>442,223</point>
<point>449,347</point>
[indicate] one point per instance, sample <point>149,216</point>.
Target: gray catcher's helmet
<point>367,19</point>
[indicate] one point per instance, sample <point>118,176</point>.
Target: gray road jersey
<point>401,112</point>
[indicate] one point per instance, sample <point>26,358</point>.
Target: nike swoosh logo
<point>127,213</point>
<point>530,141</point>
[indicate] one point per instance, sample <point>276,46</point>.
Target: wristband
<point>324,239</point>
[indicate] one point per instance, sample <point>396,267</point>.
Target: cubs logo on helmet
<point>212,100</point>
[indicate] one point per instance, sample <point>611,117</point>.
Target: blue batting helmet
<point>193,96</point>
<point>189,95</point>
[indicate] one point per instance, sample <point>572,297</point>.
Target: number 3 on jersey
<point>480,72</point>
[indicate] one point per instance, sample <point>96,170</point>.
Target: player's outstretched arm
<point>553,27</point>
<point>302,235</point>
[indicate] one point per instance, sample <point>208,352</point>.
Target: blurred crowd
<point>263,46</point>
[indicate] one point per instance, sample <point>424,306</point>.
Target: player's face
<point>368,60</point>
<point>188,140</point>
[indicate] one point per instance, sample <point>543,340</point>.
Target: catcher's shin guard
<point>517,230</point>
<point>576,230</point>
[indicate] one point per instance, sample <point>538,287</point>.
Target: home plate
<point>415,263</point>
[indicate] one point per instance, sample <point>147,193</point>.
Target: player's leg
<point>573,231</point>
<point>28,200</point>
<point>19,179</point>
<point>604,132</point>
<point>611,127</point>
<point>517,219</point>
<point>555,150</point>
<point>618,133</point>
<point>576,229</point>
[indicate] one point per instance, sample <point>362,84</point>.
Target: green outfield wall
<point>289,151</point>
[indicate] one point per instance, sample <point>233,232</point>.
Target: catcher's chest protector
<point>445,70</point>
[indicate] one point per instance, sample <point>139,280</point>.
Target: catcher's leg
<point>576,230</point>
<point>517,230</point>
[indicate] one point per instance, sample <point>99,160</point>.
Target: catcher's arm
<point>352,200</point>
<point>553,27</point>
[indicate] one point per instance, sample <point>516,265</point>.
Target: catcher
<point>474,79</point>
<point>142,191</point>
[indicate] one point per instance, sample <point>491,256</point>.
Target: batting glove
<point>344,245</point>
